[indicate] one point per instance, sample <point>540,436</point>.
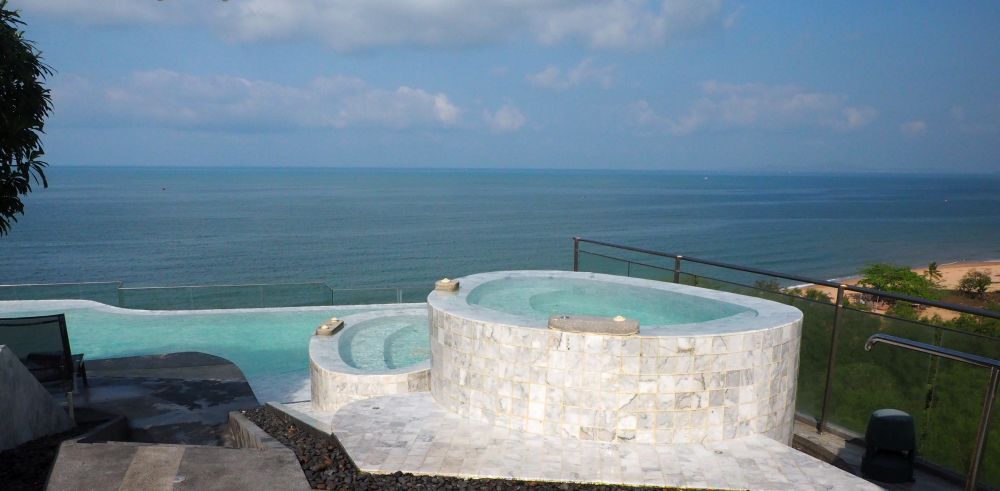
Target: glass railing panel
<point>364,296</point>
<point>817,322</point>
<point>106,293</point>
<point>595,263</point>
<point>649,272</point>
<point>156,298</point>
<point>650,259</point>
<point>990,475</point>
<point>955,407</point>
<point>103,292</point>
<point>885,377</point>
<point>416,294</point>
<point>226,297</point>
<point>296,295</point>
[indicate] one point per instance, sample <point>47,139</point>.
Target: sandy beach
<point>950,276</point>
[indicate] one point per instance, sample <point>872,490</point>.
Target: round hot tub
<point>375,353</point>
<point>705,365</point>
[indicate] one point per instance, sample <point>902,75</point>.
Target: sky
<point>847,86</point>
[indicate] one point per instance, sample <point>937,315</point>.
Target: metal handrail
<point>968,358</point>
<point>709,262</point>
<point>832,284</point>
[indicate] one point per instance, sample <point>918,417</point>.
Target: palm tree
<point>933,273</point>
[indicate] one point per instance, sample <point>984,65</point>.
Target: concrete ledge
<point>31,412</point>
<point>245,434</point>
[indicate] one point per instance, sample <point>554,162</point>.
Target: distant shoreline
<point>951,273</point>
<point>956,269</point>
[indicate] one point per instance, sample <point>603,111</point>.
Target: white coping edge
<point>769,314</point>
<point>16,305</point>
<point>333,362</point>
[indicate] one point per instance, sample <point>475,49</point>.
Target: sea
<point>176,226</point>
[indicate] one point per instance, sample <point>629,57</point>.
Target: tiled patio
<point>412,433</point>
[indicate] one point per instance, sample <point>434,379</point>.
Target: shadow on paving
<point>180,398</point>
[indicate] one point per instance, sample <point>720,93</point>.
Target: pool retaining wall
<point>650,388</point>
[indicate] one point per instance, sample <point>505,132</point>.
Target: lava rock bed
<point>327,466</point>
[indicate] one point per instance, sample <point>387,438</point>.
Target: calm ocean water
<point>408,227</point>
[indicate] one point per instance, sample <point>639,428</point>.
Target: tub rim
<point>767,314</point>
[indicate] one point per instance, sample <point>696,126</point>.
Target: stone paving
<point>412,433</point>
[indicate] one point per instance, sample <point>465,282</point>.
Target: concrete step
<point>128,466</point>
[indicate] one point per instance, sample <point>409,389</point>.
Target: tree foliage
<point>975,283</point>
<point>933,273</point>
<point>897,279</point>
<point>24,105</point>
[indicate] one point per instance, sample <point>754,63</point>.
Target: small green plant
<point>769,285</point>
<point>818,295</point>
<point>975,283</point>
<point>904,310</point>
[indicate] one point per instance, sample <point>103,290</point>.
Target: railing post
<point>399,295</point>
<point>831,358</point>
<point>677,269</point>
<point>628,268</point>
<point>576,254</point>
<point>984,428</point>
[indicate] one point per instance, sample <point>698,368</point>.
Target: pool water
<point>271,346</point>
<point>386,343</point>
<point>540,297</point>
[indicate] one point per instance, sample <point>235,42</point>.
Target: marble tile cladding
<point>654,389</point>
<point>334,384</point>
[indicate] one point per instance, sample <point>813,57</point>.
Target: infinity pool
<point>539,297</point>
<point>271,346</point>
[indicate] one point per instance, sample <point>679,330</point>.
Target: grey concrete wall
<point>27,411</point>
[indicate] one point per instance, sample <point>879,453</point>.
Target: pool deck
<point>178,398</point>
<point>412,433</point>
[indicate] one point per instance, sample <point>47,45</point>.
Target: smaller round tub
<point>374,354</point>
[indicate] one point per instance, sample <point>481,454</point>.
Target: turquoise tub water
<point>386,343</point>
<point>539,297</point>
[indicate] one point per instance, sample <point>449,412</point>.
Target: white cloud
<point>359,24</point>
<point>913,128</point>
<point>757,106</point>
<point>112,12</point>
<point>167,98</point>
<point>506,119</point>
<point>586,71</point>
<point>958,113</point>
<point>730,20</point>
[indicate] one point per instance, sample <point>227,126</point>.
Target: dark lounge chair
<point>42,345</point>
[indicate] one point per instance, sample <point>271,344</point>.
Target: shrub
<point>897,279</point>
<point>769,285</point>
<point>975,283</point>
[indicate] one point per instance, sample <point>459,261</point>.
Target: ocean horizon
<point>354,227</point>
